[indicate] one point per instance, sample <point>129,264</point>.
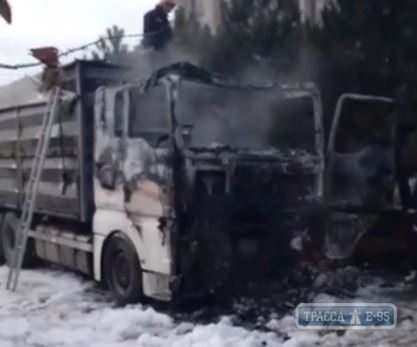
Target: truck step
<point>63,248</point>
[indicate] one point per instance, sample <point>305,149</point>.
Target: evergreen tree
<point>254,33</point>
<point>191,39</point>
<point>368,46</point>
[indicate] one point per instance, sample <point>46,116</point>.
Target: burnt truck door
<point>148,173</point>
<point>360,169</point>
<point>147,165</point>
<point>133,185</point>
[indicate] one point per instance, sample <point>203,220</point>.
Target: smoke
<point>245,118</point>
<point>254,119</point>
<point>143,62</point>
<point>305,67</point>
<point>229,117</point>
<point>237,118</point>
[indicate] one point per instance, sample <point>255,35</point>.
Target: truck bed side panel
<point>66,188</point>
<point>58,190</point>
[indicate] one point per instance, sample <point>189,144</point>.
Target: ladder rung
<point>32,188</point>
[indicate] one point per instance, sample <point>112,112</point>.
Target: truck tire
<point>7,241</point>
<point>122,270</point>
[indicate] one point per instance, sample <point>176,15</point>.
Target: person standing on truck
<point>157,30</point>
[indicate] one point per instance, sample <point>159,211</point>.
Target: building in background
<point>208,12</point>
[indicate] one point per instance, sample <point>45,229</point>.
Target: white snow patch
<point>58,309</point>
<point>12,328</point>
<point>4,343</point>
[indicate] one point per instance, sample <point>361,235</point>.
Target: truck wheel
<point>8,240</point>
<point>122,270</point>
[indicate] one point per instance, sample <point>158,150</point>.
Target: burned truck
<point>369,184</point>
<point>168,188</point>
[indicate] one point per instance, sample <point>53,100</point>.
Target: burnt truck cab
<point>211,175</point>
<point>369,220</point>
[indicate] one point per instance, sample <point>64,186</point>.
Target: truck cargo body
<point>66,185</point>
<point>65,201</point>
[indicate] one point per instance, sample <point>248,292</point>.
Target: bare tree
<point>110,47</point>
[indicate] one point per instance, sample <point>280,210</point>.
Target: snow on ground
<point>54,308</point>
<point>58,309</point>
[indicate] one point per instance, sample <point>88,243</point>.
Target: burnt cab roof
<point>191,72</point>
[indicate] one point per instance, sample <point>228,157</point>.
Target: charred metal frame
<point>338,114</point>
<point>391,225</point>
<point>172,76</point>
<point>332,142</point>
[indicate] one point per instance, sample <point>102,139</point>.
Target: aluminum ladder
<point>22,231</point>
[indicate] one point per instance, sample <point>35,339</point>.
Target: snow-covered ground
<point>53,308</point>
